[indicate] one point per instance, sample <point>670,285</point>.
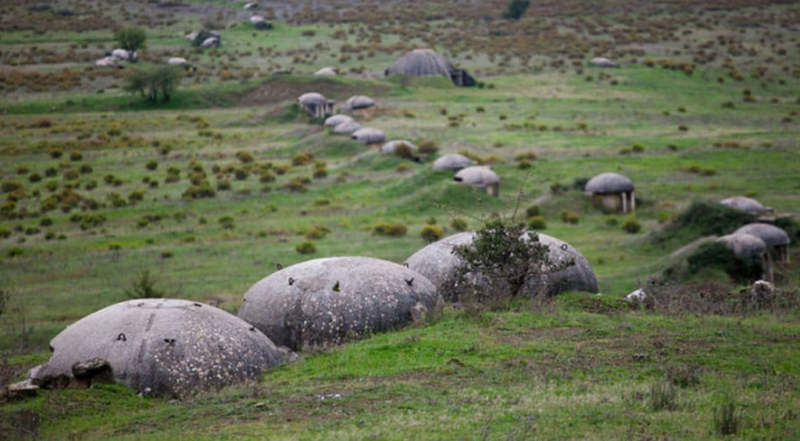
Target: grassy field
<point>97,183</point>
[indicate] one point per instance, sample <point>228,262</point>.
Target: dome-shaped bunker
<point>315,104</point>
<point>453,161</point>
<point>744,245</point>
<point>165,346</point>
<point>334,299</point>
<point>347,128</point>
<point>745,204</point>
<point>368,135</point>
<point>358,102</point>
<point>480,176</point>
<point>335,120</point>
<point>437,262</point>
<point>426,62</point>
<point>612,192</point>
<point>775,238</point>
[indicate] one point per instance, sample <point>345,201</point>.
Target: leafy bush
<point>533,211</point>
<point>143,286</point>
<point>301,159</point>
<point>427,147</point>
<point>458,224</point>
<point>570,216</point>
<point>201,191</point>
<point>391,229</point>
<point>515,9</point>
<point>11,186</point>
<point>227,223</point>
<point>498,263</point>
<point>151,165</point>
<point>703,219</point>
<point>317,232</point>
<point>131,38</point>
<point>631,225</point>
<point>537,223</point>
<point>716,255</point>
<point>245,157</point>
<point>306,247</point>
<point>150,83</point>
<point>431,233</point>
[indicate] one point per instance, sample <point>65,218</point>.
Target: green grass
<point>563,372</point>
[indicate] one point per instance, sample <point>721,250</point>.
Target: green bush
<point>306,247</point>
<point>151,165</point>
<point>150,83</point>
<point>431,233</point>
<point>717,255</point>
<point>201,191</point>
<point>301,159</point>
<point>537,223</point>
<point>223,185</point>
<point>11,186</point>
<point>131,38</point>
<point>245,157</point>
<point>533,211</point>
<point>458,224</point>
<point>391,229</point>
<point>570,217</point>
<point>227,223</point>
<point>317,232</point>
<point>427,147</point>
<point>631,225</point>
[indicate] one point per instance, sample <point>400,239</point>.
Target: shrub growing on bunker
<point>716,254</point>
<point>501,259</point>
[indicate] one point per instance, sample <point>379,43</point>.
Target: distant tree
<point>150,83</point>
<point>131,39</point>
<point>516,8</point>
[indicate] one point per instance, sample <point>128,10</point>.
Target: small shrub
<point>684,375</point>
<point>296,185</point>
<point>637,148</point>
<point>537,223</point>
<point>301,159</point>
<point>663,396</point>
<point>227,223</point>
<point>143,286</point>
<point>15,252</point>
<point>35,177</point>
<point>76,156</point>
<point>631,225</point>
<point>5,233</point>
<point>223,185</point>
<point>317,232</point>
<point>427,147</point>
<point>86,169</point>
<point>245,157</point>
<point>151,165</point>
<point>570,217</point>
<point>558,188</point>
<point>391,229</point>
<point>458,224</point>
<point>727,419</point>
<point>533,211</point>
<point>322,202</point>
<point>431,233</point>
<point>266,176</point>
<point>11,186</point>
<point>306,247</point>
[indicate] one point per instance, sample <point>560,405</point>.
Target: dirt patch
<point>280,89</point>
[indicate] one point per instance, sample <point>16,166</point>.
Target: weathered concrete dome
<point>421,62</point>
<point>770,234</point>
<point>437,262</point>
<point>347,128</point>
<point>256,19</point>
<point>391,146</point>
<point>177,61</point>
<point>477,176</point>
<point>454,162</point>
<point>359,102</point>
<point>333,299</point>
<point>609,183</point>
<point>329,71</point>
<point>312,99</point>
<point>335,120</point>
<point>747,205</point>
<point>744,245</point>
<point>368,135</point>
<point>603,62</point>
<point>165,346</point>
